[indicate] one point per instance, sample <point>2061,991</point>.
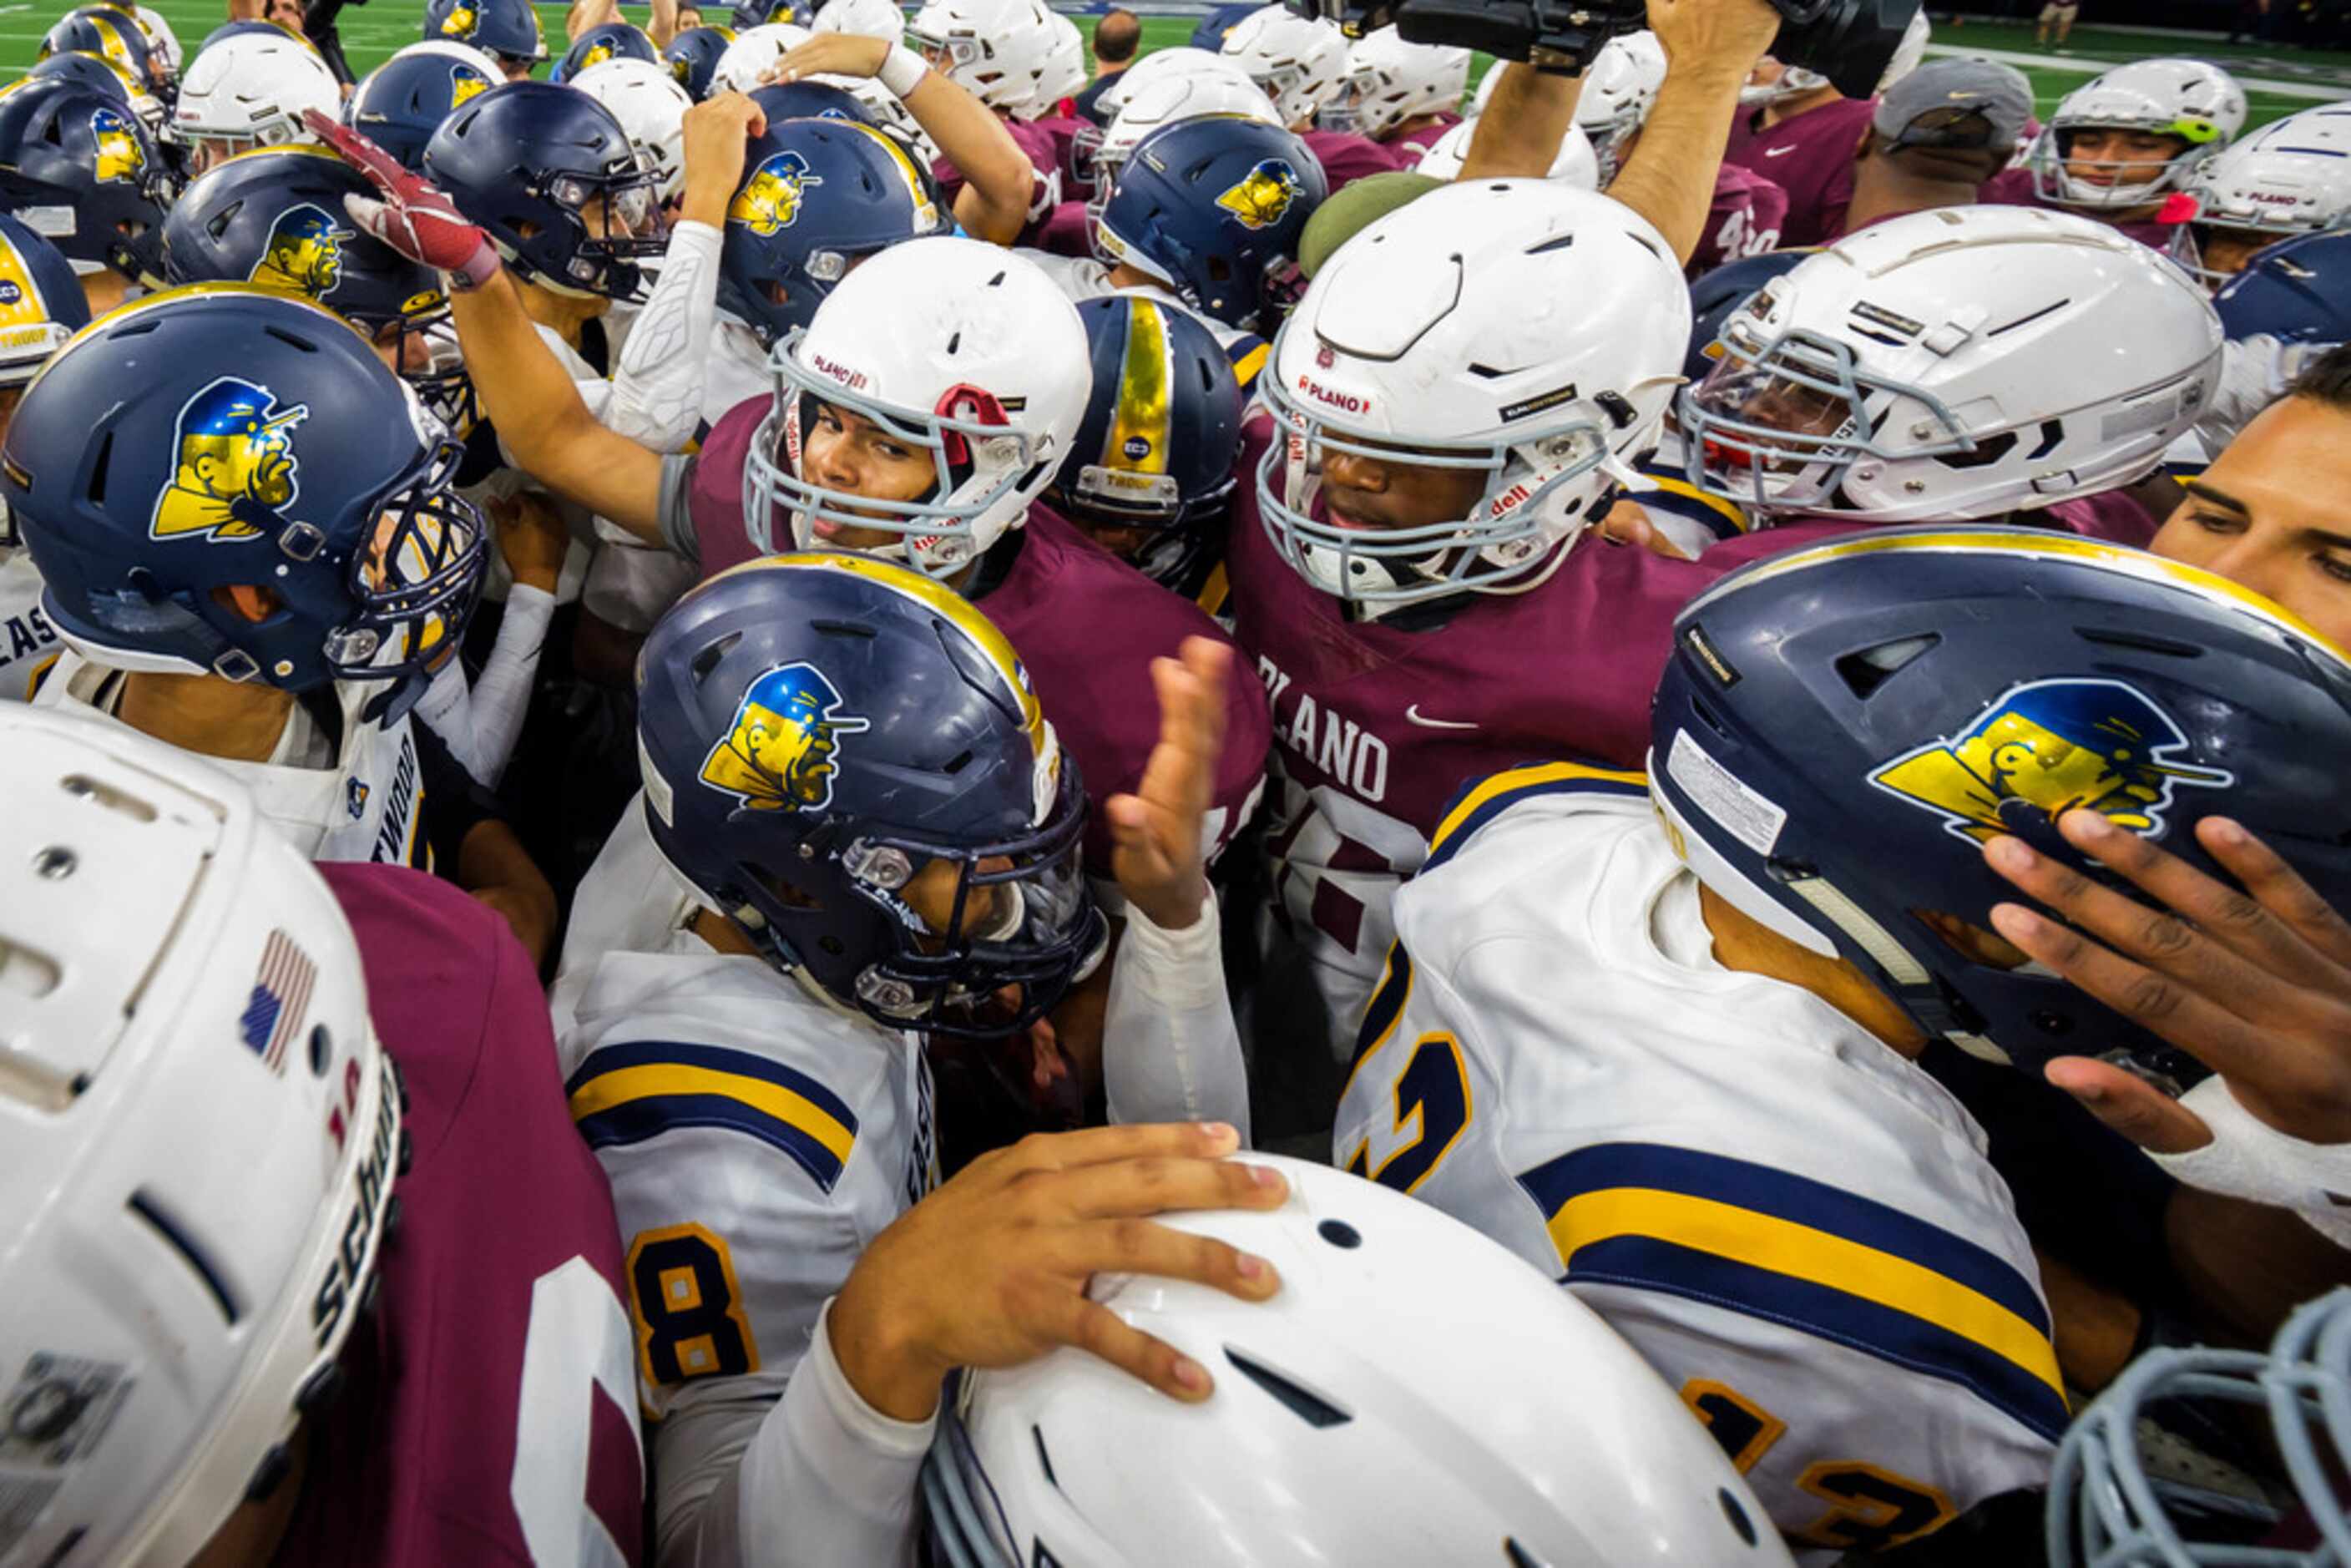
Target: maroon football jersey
<point>1066,231</point>
<point>1085,623</point>
<point>1063,131</point>
<point>490,1414</point>
<point>1376,727</point>
<point>1346,157</point>
<point>1811,157</point>
<point>1044,155</point>
<point>1747,213</point>
<point>2163,232</point>
<point>2111,515</point>
<point>1409,146</point>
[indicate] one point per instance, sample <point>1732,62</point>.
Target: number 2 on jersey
<point>1435,1086</point>
<point>1870,1509</point>
<point>689,1310</point>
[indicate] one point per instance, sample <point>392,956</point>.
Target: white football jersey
<point>363,800</point>
<point>1795,1223</point>
<point>29,644</point>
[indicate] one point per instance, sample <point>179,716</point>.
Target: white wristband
<point>903,71</point>
<point>2249,1158</point>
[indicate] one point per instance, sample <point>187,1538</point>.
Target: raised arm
<point>1529,115</point>
<point>1710,45</point>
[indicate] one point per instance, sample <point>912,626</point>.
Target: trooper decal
<point>1264,195</point>
<point>771,199</point>
<point>305,252</point>
<point>235,451</point>
<point>779,754</point>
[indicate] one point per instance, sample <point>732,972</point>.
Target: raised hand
<point>716,132</point>
<point>414,217</point>
<point>831,55</point>
<point>990,1270</point>
<point>1156,851</point>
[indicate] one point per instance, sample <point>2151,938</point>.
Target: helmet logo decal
<point>597,53</point>
<point>1264,194</point>
<point>280,1000</point>
<point>769,199</point>
<point>2053,745</point>
<point>121,159</point>
<point>778,754</point>
<point>465,84</point>
<point>304,252</point>
<point>21,306</point>
<point>461,22</point>
<point>235,456</point>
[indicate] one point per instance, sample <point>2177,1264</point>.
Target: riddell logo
<point>1346,402</point>
<point>847,377</point>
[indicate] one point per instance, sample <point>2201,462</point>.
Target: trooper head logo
<point>2052,746</point>
<point>461,22</point>
<point>304,252</point>
<point>233,458</point>
<point>1264,194</point>
<point>771,199</point>
<point>465,84</point>
<point>778,754</point>
<point>120,159</point>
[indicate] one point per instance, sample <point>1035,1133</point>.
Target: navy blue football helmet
<point>402,101</point>
<point>2299,290</point>
<point>1715,297</point>
<point>507,30</point>
<point>1210,33</point>
<point>532,162</point>
<point>817,732</point>
<point>1841,728</point>
<point>41,301</point>
<point>86,157</point>
<point>1213,208</point>
<point>99,74</point>
<point>110,33</point>
<point>751,14</point>
<point>692,57</point>
<point>222,437</point>
<point>1161,432</point>
<point>817,197</point>
<point>611,41</point>
<point>275,216</point>
<point>808,101</point>
<point>250,25</point>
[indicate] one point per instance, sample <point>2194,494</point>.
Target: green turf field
<point>2297,78</point>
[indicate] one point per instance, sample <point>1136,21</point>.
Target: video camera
<point>1848,41</point>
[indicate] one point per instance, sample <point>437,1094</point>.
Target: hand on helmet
<point>2256,985</point>
<point>991,1270</point>
<point>831,55</point>
<point>414,218</point>
<point>1156,850</point>
<point>716,132</point>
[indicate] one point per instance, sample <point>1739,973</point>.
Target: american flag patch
<point>280,1000</point>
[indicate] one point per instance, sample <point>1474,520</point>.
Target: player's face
<point>2100,156</point>
<point>2228,250</point>
<point>1395,492</point>
<point>209,151</point>
<point>2265,514</point>
<point>847,453</point>
<point>515,67</point>
<point>931,894</point>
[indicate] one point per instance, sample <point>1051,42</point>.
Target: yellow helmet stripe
<point>147,303</point>
<point>2054,546</point>
<point>916,189</point>
<point>1145,393</point>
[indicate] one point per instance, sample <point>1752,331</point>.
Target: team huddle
<point>780,699</point>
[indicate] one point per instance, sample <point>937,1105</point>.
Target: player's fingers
<point>1100,1333</point>
<point>1137,1247</point>
<point>2157,938</point>
<point>1211,664</point>
<point>2136,1109</point>
<point>2278,887</point>
<point>1164,1183</point>
<point>2215,1036</point>
<point>1134,1140</point>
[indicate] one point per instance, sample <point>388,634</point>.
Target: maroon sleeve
<point>715,497</point>
<point>1066,232</point>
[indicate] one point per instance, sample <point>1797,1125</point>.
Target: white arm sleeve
<point>447,709</point>
<point>2249,1158</point>
<point>1171,1051</point>
<point>660,382</point>
<point>502,692</point>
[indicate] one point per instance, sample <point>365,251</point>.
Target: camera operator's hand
<point>1710,45</point>
<point>1713,36</point>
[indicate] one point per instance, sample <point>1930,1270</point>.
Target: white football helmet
<point>1960,363</point>
<point>249,91</point>
<point>2292,177</point>
<point>198,1140</point>
<point>651,107</point>
<point>867,19</point>
<point>1413,1393</point>
<point>753,52</point>
<point>956,348</point>
<point>1184,62</point>
<point>1577,165</point>
<point>162,42</point>
<point>1520,329</point>
<point>1163,102</point>
<point>1389,82</point>
<point>994,49</point>
<point>1301,65</point>
<point>2198,104</point>
<point>1064,74</point>
<point>1618,92</point>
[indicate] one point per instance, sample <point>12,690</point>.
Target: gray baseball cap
<point>1963,105</point>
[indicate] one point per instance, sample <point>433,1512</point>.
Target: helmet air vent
<point>1308,1407</point>
<point>182,1240</point>
<point>1866,669</point>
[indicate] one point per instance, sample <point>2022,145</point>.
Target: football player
<point>281,1127</point>
<point>1934,138</point>
<point>646,98</point>
<point>41,306</point>
<point>606,41</point>
<point>1209,84</point>
<point>98,71</point>
<point>1958,363</point>
<point>998,51</point>
<point>857,830</point>
<point>2123,147</point>
<point>1405,96</point>
<point>249,91</point>
<point>113,33</point>
<point>2292,177</point>
<point>243,522</point>
<point>83,156</point>
<point>1302,66</point>
<point>1801,881</point>
<point>1799,132</point>
<point>926,444</point>
<point>400,103</point>
<point>692,57</point>
<point>509,31</point>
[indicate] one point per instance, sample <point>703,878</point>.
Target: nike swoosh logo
<point>1413,714</point>
<point>1777,151</point>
